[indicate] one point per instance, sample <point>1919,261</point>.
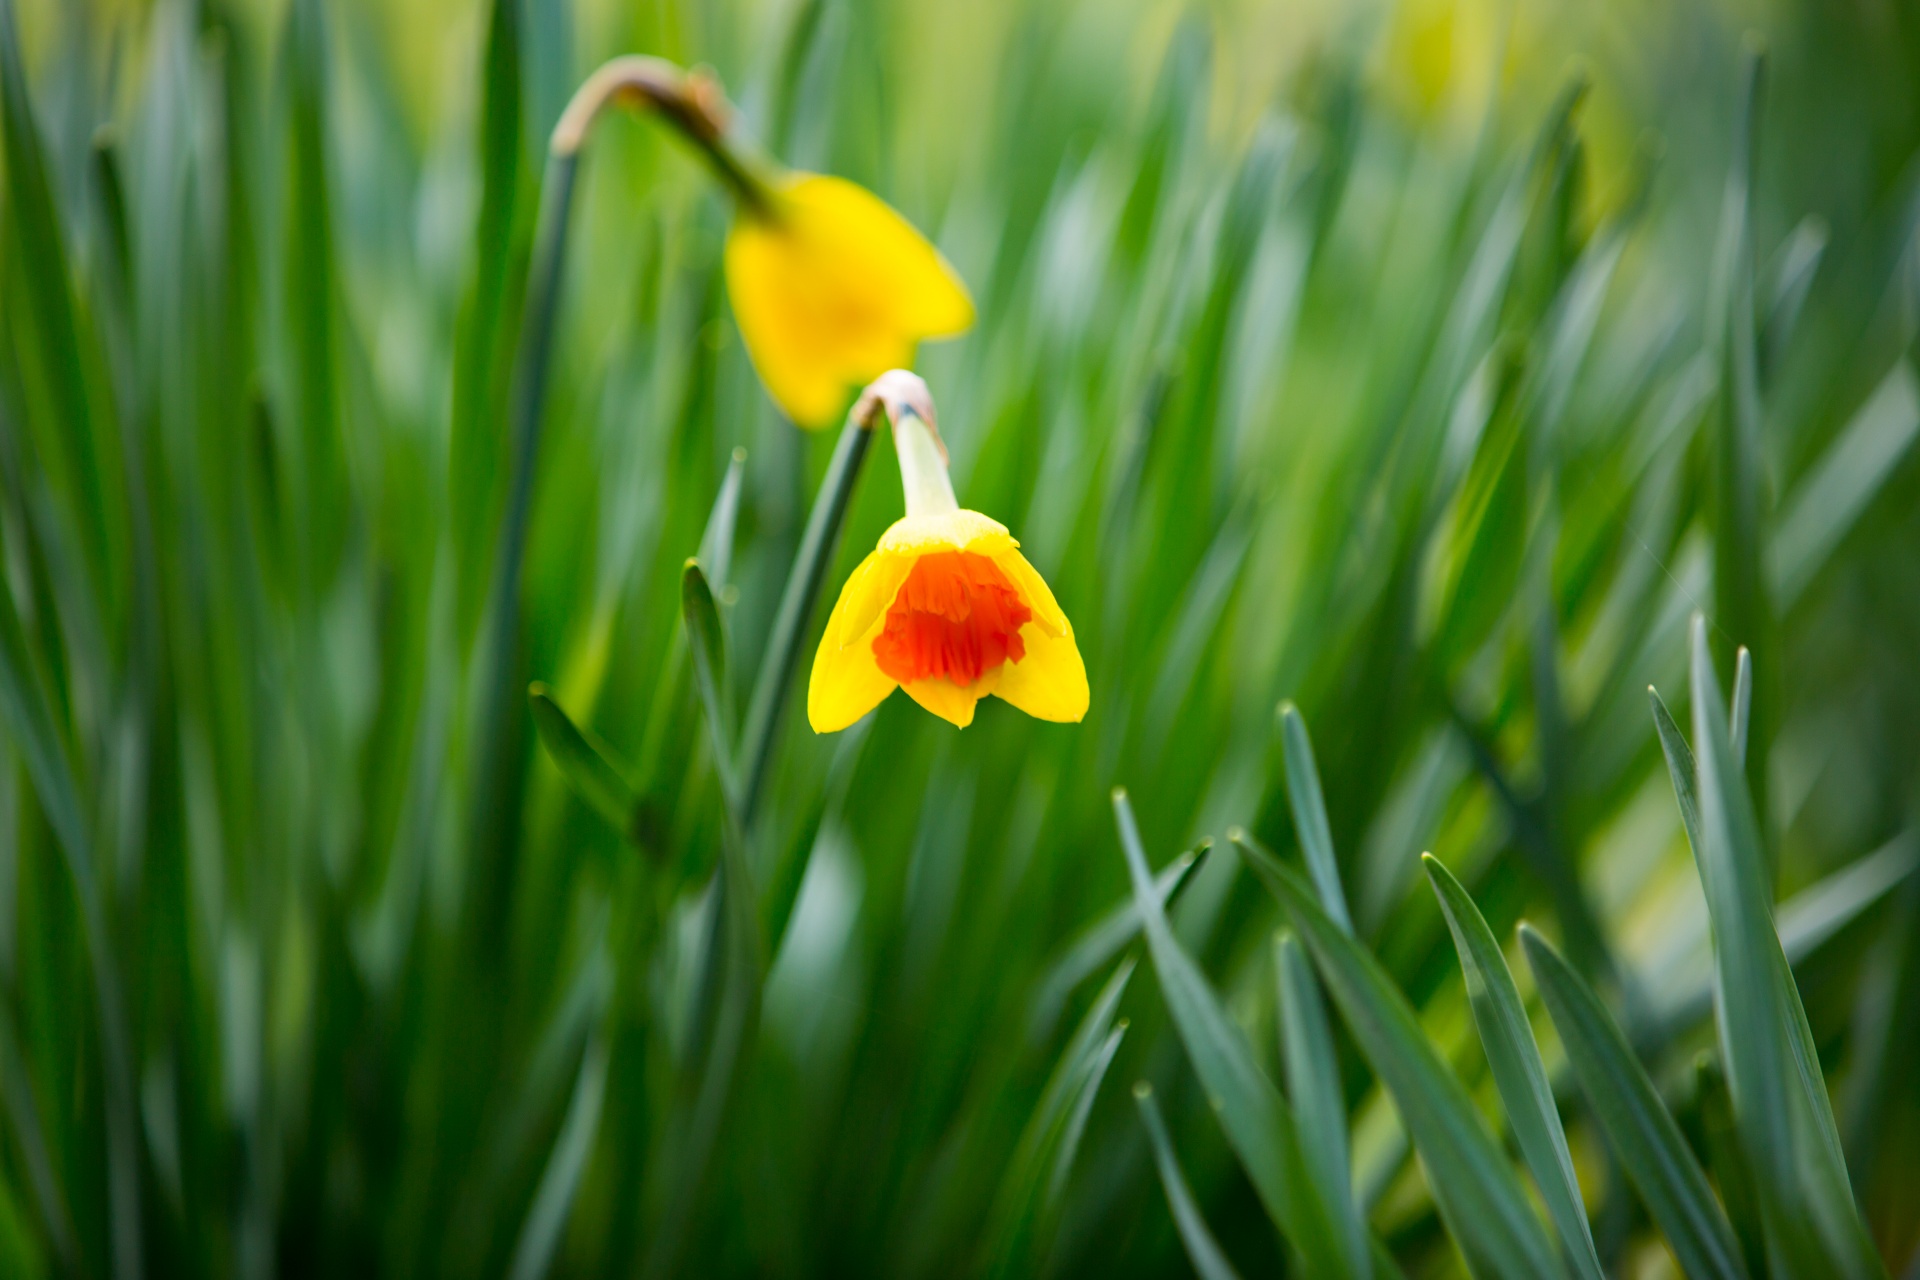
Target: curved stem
<point>690,101</point>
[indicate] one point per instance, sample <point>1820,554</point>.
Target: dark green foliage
<point>413,857</point>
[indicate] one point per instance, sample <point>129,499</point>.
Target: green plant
<point>1311,363</point>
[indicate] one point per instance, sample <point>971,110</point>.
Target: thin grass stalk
<point>731,964</point>
<point>817,546</point>
<point>498,691</point>
<point>30,718</point>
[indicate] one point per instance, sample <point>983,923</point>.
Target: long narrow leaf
<point>809,570</point>
<point>1477,1191</point>
<point>1310,814</point>
<point>1517,1069</point>
<point>68,429</point>
<point>1729,1166</point>
<point>1843,482</point>
<point>1313,1086</point>
<point>1258,1124</point>
<point>540,1236</point>
<point>1076,1123</point>
<point>1101,941</point>
<point>483,344</point>
<point>1740,709</point>
<point>708,647</point>
<point>1779,1096</point>
<point>1209,1263</point>
<point>584,761</point>
<point>1742,595</point>
<point>716,542</point>
<point>27,714</point>
<point>1806,922</point>
<point>1638,1127</point>
<point>1018,1200</point>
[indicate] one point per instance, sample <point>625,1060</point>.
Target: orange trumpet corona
<point>946,607</point>
<point>956,618</point>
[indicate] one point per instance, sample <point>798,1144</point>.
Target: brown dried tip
<point>692,100</point>
<point>898,391</point>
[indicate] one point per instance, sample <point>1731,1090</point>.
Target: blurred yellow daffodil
<point>945,607</point>
<point>830,288</point>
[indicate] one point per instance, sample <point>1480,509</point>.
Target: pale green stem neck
<point>923,467</point>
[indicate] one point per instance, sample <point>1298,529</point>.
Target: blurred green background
<point>1424,363</point>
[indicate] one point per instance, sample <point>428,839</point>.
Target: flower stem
<point>924,481</point>
<point>690,101</point>
<point>796,607</point>
<point>498,691</point>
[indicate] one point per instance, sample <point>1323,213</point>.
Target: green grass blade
<point>1731,1171</point>
<point>1829,501</point>
<point>1740,712</point>
<point>498,657</point>
<point>1779,1095</point>
<point>1076,1121</point>
<point>1018,1201</point>
<point>50,327</point>
<point>1310,814</point>
<point>1477,1191</point>
<point>1257,1122</point>
<point>27,712</point>
<point>1209,1263</point>
<point>1783,293</point>
<point>483,344</point>
<point>707,644</point>
<point>316,462</point>
<point>809,570</point>
<point>729,1019</point>
<point>585,762</point>
<point>1517,1069</point>
<point>716,543</point>
<point>1743,609</point>
<point>1313,1086</point>
<point>1680,770</point>
<point>540,1236</point>
<point>1824,908</point>
<point>1096,946</point>
<point>23,1121</point>
<point>790,866</point>
<point>1807,921</point>
<point>1638,1127</point>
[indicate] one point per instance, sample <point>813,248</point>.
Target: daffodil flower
<point>945,607</point>
<point>831,288</point>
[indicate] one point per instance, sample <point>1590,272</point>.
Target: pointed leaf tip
<point>1500,1017</point>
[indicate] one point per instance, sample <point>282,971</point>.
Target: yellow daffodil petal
<point>949,701</point>
<point>868,592</point>
<point>832,289</point>
<point>846,684</point>
<point>1046,610</point>
<point>949,531</point>
<point>1050,682</point>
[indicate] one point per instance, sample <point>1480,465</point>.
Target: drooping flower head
<point>945,607</point>
<point>830,287</point>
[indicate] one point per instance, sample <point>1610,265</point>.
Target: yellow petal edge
<point>833,289</point>
<point>1049,683</point>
